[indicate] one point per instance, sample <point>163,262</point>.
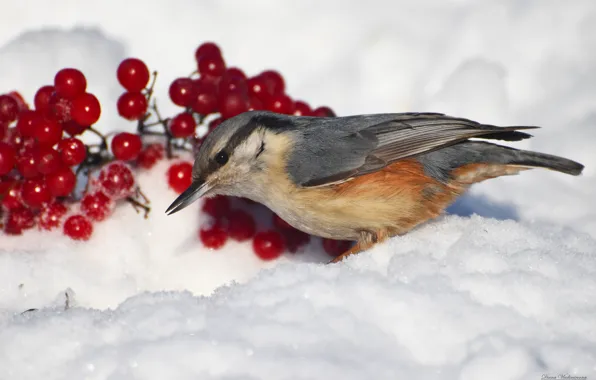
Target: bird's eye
<point>221,158</point>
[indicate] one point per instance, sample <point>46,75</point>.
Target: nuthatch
<point>363,178</point>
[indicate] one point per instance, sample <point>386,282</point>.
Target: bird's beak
<point>195,191</point>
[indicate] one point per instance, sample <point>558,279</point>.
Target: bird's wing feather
<point>337,149</point>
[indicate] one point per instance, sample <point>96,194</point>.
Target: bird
<point>363,178</point>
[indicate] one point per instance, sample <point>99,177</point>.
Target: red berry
<point>48,160</point>
<point>35,192</point>
<point>255,104</point>
<point>183,125</point>
<point>205,99</point>
<point>182,92</point>
<point>96,206</point>
<point>18,220</point>
<point>207,48</point>
<point>336,247</point>
<point>126,146</point>
<point>20,100</point>
<point>133,74</point>
<point>70,83</point>
<point>78,227</point>
<point>323,112</point>
<point>3,130</point>
<point>132,105</point>
<point>295,239</point>
<point>73,128</point>
<point>241,226</point>
<point>116,180</point>
<point>9,108</point>
<point>26,122</point>
<point>302,109</point>
<point>42,99</point>
<point>213,236</point>
<point>47,132</point>
<point>280,103</point>
<point>7,158</point>
<point>60,108</point>
<point>180,176</point>
<point>51,215</point>
<point>257,86</point>
<point>150,155</point>
<point>62,182</point>
<point>218,206</point>
<point>72,151</point>
<point>233,80</point>
<point>86,109</point>
<point>214,123</point>
<point>274,81</point>
<point>233,103</point>
<point>27,164</point>
<point>211,64</point>
<point>278,222</point>
<point>268,245</point>
<point>11,194</point>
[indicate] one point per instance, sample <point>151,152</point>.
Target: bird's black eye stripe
<point>221,157</point>
<point>261,149</point>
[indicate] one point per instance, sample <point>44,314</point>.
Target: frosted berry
<point>150,155</point>
<point>268,245</point>
<point>60,108</point>
<point>7,158</point>
<point>10,194</point>
<point>42,99</point>
<point>47,132</point>
<point>51,215</point>
<point>212,65</point>
<point>217,206</point>
<point>9,108</point>
<point>183,125</point>
<point>73,128</point>
<point>323,112</point>
<point>96,206</point>
<point>62,182</point>
<point>335,248</point>
<point>85,109</point>
<point>133,74</point>
<point>72,151</point>
<point>26,122</point>
<point>280,103</point>
<point>35,192</point>
<point>241,225</point>
<point>207,48</point>
<point>302,108</point>
<point>181,92</point>
<point>48,160</point>
<point>180,176</point>
<point>213,236</point>
<point>126,146</point>
<point>78,227</point>
<point>27,164</point>
<point>18,220</point>
<point>274,81</point>
<point>116,180</point>
<point>70,83</point>
<point>233,103</point>
<point>132,105</point>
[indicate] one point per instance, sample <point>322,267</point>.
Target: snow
<point>505,289</point>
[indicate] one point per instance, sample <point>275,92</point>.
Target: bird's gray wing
<point>331,150</point>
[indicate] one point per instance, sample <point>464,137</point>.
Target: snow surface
<point>509,294</point>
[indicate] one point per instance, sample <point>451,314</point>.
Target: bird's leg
<point>367,240</point>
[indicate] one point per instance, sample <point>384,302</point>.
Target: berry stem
<point>164,123</point>
<point>138,205</point>
<point>104,141</point>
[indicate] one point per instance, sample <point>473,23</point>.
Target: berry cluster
<point>42,160</point>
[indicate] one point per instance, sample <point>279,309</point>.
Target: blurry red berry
<point>72,151</point>
<point>96,206</point>
<point>182,92</point>
<point>70,83</point>
<point>60,108</point>
<point>62,182</point>
<point>20,100</point>
<point>3,130</point>
<point>180,176</point>
<point>9,108</point>
<point>257,86</point>
<point>207,48</point>
<point>78,227</point>
<point>42,99</point>
<point>214,123</point>
<point>183,125</point>
<point>85,109</point>
<point>302,108</point>
<point>268,245</point>
<point>116,180</point>
<point>150,155</point>
<point>51,215</point>
<point>48,160</point>
<point>278,222</point>
<point>47,132</point>
<point>73,128</point>
<point>280,103</point>
<point>336,247</point>
<point>323,112</point>
<point>295,239</point>
<point>11,194</point>
<point>254,104</point>
<point>35,192</point>
<point>211,64</point>
<point>205,99</point>
<point>126,146</point>
<point>133,74</point>
<point>232,103</point>
<point>27,163</point>
<point>132,105</point>
<point>217,206</point>
<point>274,81</point>
<point>241,225</point>
<point>8,158</point>
<point>213,236</point>
<point>18,220</point>
<point>26,122</point>
<point>232,80</point>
